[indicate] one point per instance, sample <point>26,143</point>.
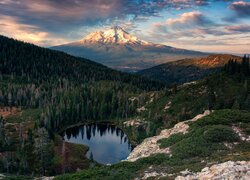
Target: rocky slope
<point>227,170</point>
<point>150,146</point>
<point>187,70</point>
<point>118,49</point>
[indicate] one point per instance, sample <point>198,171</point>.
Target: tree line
<point>235,67</point>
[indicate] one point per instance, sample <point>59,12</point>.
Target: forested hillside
<point>34,64</point>
<point>229,88</point>
<point>221,136</point>
<point>34,77</point>
<point>43,90</point>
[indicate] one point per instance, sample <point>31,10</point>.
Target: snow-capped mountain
<point>118,49</point>
<point>114,35</point>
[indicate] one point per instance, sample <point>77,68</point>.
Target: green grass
<point>121,171</point>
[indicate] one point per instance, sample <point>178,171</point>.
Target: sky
<point>204,25</point>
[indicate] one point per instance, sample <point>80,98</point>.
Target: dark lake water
<point>107,143</point>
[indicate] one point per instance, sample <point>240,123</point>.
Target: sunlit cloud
<point>29,33</point>
<point>189,19</point>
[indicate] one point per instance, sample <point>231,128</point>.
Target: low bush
<point>220,133</point>
<point>167,142</point>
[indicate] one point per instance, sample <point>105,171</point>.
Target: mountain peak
<point>113,35</point>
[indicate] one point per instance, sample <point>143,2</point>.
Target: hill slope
<point>40,64</point>
<point>187,70</point>
<point>118,49</point>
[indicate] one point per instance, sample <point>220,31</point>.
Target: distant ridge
<point>187,70</point>
<point>118,49</point>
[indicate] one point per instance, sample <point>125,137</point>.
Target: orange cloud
<point>11,27</point>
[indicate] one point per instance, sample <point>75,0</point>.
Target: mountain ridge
<point>186,70</point>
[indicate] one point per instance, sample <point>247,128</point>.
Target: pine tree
<point>43,149</point>
<point>3,143</point>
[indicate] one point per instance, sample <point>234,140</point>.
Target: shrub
<point>223,117</point>
<point>167,142</point>
<point>220,133</point>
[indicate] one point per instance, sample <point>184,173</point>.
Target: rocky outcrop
<point>153,174</point>
<point>141,109</point>
<point>150,146</point>
<point>2,176</point>
<point>241,134</point>
<point>134,122</point>
<point>167,106</point>
<point>228,170</point>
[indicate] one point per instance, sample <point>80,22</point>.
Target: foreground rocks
<point>228,170</point>
<point>2,176</point>
<point>150,146</point>
<point>240,133</point>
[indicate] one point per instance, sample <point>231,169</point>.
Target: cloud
<point>238,43</point>
<point>194,30</point>
<point>241,8</point>
<point>62,16</point>
<point>189,19</point>
<point>185,25</point>
<point>29,33</point>
<point>71,19</point>
<point>238,28</point>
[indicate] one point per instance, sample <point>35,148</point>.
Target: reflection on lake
<point>107,143</point>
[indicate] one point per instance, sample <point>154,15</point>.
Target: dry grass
<point>9,111</point>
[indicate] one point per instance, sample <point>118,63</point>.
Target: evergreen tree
<point>43,149</point>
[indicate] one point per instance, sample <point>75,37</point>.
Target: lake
<point>107,143</point>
